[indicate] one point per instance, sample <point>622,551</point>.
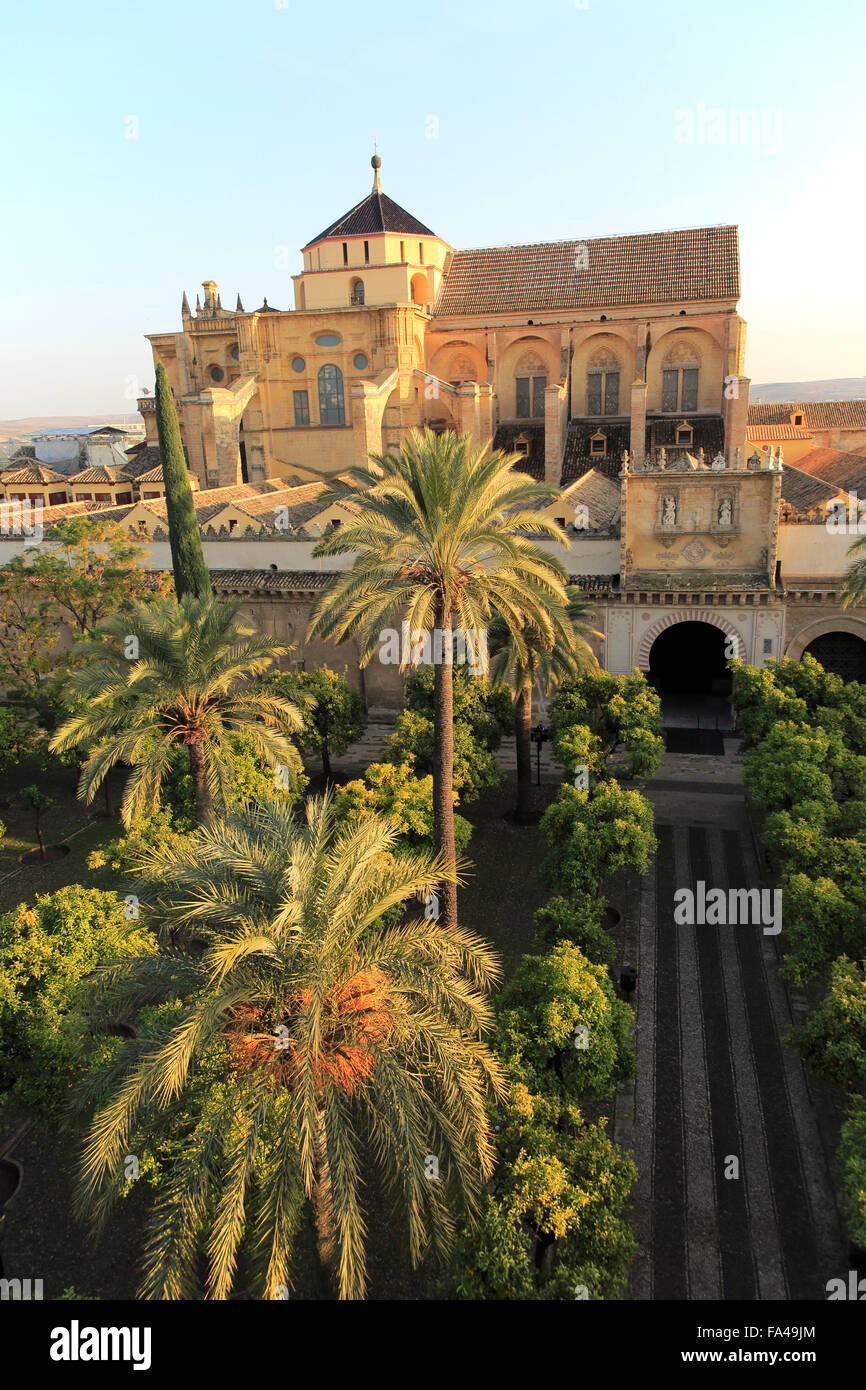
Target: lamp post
<point>540,734</point>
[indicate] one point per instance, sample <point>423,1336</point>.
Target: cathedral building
<point>612,367</point>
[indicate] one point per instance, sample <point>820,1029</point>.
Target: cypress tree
<point>187,557</point>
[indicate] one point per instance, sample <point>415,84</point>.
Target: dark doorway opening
<point>688,668</point>
<point>842,653</point>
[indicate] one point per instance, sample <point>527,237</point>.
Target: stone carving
<point>726,512</point>
<point>694,552</point>
<point>669,511</point>
<point>718,462</point>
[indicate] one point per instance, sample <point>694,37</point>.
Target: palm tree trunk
<point>323,1211</point>
<point>203,798</point>
<point>522,734</point>
<point>326,759</point>
<point>443,765</point>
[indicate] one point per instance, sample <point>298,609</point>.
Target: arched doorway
<point>688,668</point>
<point>843,653</point>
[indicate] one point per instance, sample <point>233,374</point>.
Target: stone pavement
<point>369,747</point>
<point>714,1081</point>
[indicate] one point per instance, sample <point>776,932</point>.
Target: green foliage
<point>178,674</point>
<point>481,704</point>
<point>377,1022</point>
<point>46,951</point>
<point>553,1227</point>
<point>832,1041</point>
<point>540,1017</point>
<point>392,790</point>
<point>789,765</point>
<point>187,556</point>
<point>146,835</point>
<point>413,740</point>
<point>852,1151</point>
<point>333,713</point>
<point>616,713</point>
<point>576,919</point>
<point>18,738</point>
<point>825,917</point>
<point>482,712</point>
<point>592,834</point>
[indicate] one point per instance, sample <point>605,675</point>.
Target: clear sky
<point>497,121</point>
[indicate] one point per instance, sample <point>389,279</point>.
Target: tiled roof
<point>775,434</point>
<point>577,458</point>
<point>147,460</point>
<point>804,492</point>
<point>652,268</point>
<point>34,473</point>
<point>837,467</point>
<point>62,510</point>
<point>375,213</point>
<point>99,474</point>
<point>505,439</point>
<point>269,581</point>
<point>600,495</point>
<point>818,415</point>
<point>708,432</point>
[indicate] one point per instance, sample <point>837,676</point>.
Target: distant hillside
<point>843,388</point>
<point>65,424</point>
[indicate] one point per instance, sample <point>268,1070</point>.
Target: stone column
<point>555,426</point>
<point>637,435</point>
<point>368,408</point>
<point>736,399</point>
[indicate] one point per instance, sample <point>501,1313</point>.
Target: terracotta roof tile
<point>802,491</point>
<point>34,473</point>
<point>818,415</point>
<point>651,268</point>
<point>775,434</point>
<point>837,467</point>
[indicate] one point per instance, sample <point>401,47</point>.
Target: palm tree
<point>314,1040</point>
<point>176,674</point>
<point>443,537</point>
<point>524,657</point>
<point>853,586</point>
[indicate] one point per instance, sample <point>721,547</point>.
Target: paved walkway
<point>714,1081</point>
<point>369,747</point>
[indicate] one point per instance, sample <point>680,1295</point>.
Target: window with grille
<point>680,389</point>
<point>602,393</point>
<point>302,408</point>
<point>331,407</point>
<point>529,397</point>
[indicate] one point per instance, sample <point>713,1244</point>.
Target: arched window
<point>357,291</point>
<point>331,408</point>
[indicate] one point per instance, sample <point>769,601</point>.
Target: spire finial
<point>377,164</point>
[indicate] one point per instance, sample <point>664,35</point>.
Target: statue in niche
<point>726,512</point>
<point>669,511</point>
